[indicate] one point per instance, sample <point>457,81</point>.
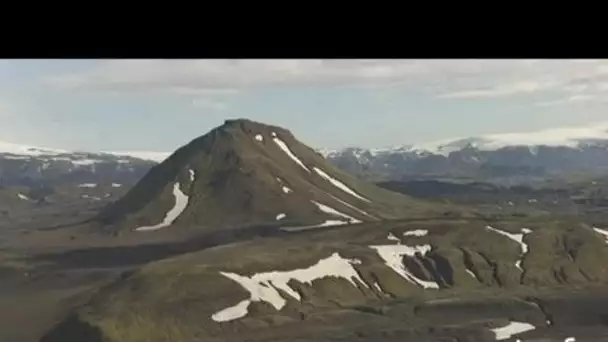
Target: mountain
<point>22,165</point>
<point>249,173</point>
<point>534,155</point>
<point>378,265</point>
<point>512,157</point>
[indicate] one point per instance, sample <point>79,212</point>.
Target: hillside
<point>431,281</point>
<point>248,173</point>
<point>247,234</point>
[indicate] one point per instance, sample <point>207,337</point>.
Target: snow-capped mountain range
<point>537,154</point>
<point>30,165</point>
<point>540,154</point>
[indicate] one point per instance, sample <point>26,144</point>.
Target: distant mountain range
<point>22,165</point>
<point>541,154</point>
<point>515,156</point>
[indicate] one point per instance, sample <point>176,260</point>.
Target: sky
<point>159,105</point>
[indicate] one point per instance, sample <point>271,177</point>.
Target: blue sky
<point>158,105</point>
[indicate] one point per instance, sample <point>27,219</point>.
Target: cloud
<point>574,99</point>
<point>446,79</point>
<point>524,87</point>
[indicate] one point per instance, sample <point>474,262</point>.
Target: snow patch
<point>95,198</point>
<point>264,287</point>
<point>181,202</point>
<point>259,137</point>
<point>283,187</point>
<point>519,238</point>
<point>231,313</point>
<point>393,258</point>
<point>153,156</point>
<point>417,232</point>
<point>393,237</point>
<point>23,197</point>
<point>85,162</point>
<point>513,328</point>
<point>602,232</point>
<point>339,184</point>
<point>469,272</point>
<point>87,185</point>
<point>116,185</point>
<point>570,339</point>
<point>281,216</point>
<point>351,206</point>
<point>329,210</point>
<point>287,151</point>
<point>328,223</point>
<point>192,175</point>
<point>16,157</point>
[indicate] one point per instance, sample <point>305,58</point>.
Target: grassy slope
<point>174,299</point>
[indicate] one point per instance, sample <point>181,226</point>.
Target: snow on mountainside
<point>538,154</point>
<point>7,148</point>
<point>529,154</point>
<point>574,137</point>
<point>30,165</point>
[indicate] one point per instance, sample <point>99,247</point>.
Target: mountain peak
<point>245,173</point>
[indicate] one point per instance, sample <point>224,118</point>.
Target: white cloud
<point>574,99</point>
<point>524,87</point>
<point>448,79</point>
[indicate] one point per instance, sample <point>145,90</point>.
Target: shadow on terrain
<point>140,254</point>
<point>73,330</point>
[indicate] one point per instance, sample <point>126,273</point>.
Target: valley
<point>248,234</point>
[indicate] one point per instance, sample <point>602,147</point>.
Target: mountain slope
<point>342,284</point>
<point>247,173</point>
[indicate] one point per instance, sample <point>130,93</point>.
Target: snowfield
<point>264,287</point>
